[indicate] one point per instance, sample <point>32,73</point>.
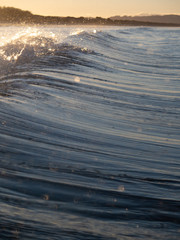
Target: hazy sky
<point>103,8</point>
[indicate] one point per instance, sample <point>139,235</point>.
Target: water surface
<point>89,133</point>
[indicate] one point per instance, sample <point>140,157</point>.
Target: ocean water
<point>89,133</point>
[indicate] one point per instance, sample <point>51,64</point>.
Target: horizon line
<point>117,15</point>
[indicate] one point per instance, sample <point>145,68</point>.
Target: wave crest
<point>31,45</point>
<point>24,46</point>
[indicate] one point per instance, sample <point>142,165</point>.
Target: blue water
<point>89,133</point>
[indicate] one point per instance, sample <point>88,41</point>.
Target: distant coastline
<point>10,15</point>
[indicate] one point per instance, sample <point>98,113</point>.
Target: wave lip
<point>36,47</point>
<point>26,46</point>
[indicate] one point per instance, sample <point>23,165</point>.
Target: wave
<point>33,47</point>
<point>89,133</point>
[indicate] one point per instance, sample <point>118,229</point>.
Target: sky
<point>94,8</point>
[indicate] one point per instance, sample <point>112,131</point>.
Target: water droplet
<point>121,188</point>
<point>46,197</point>
<point>3,122</point>
<point>77,79</point>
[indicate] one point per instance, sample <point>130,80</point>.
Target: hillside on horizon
<point>10,15</point>
<point>170,18</point>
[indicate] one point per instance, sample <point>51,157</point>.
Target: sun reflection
<point>31,39</point>
<point>77,32</point>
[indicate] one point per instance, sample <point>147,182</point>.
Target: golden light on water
<point>12,48</point>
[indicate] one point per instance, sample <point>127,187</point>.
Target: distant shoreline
<point>14,16</point>
<point>83,25</point>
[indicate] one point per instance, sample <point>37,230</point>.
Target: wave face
<point>89,133</point>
